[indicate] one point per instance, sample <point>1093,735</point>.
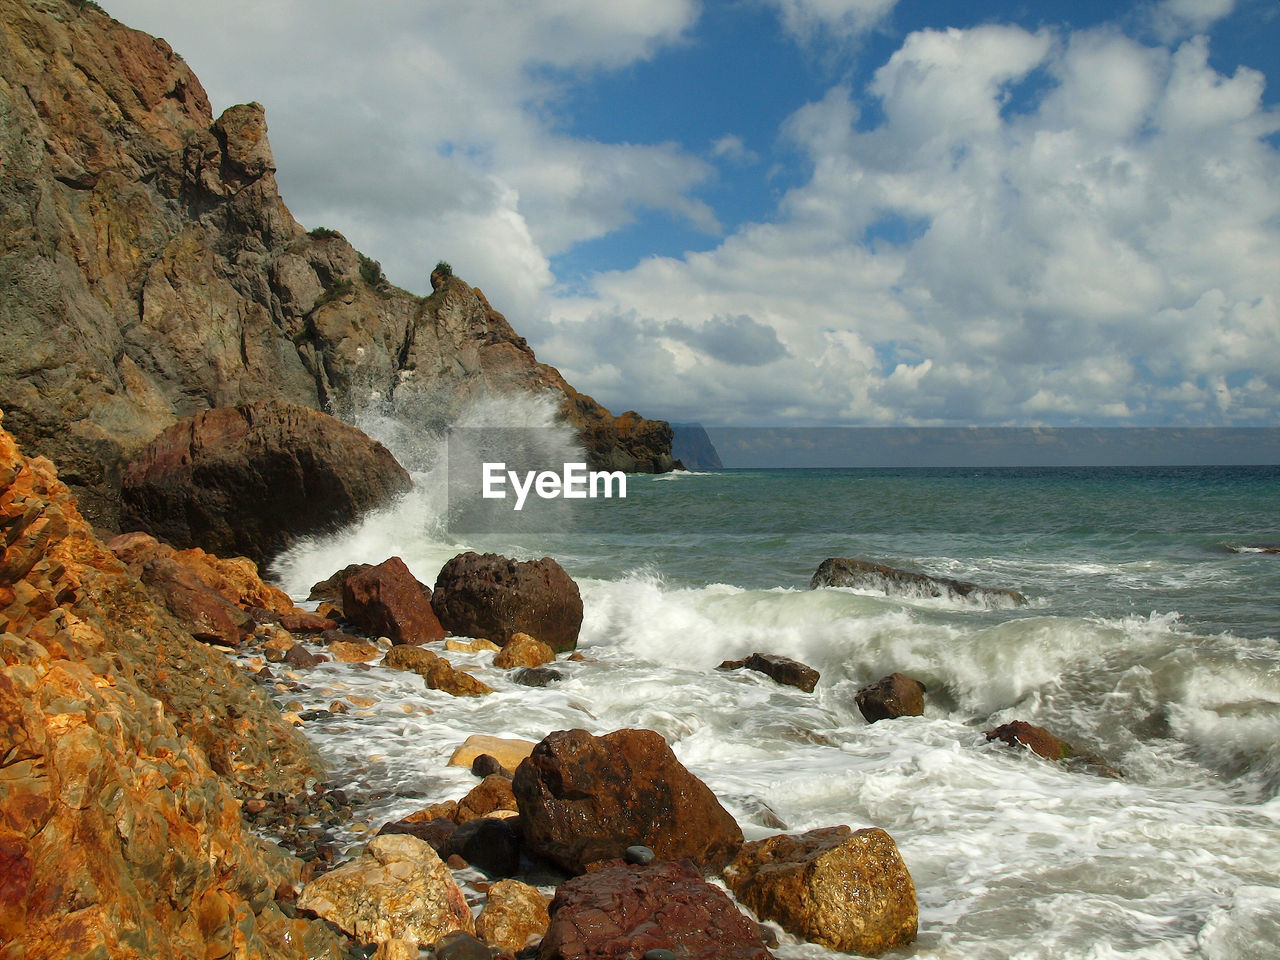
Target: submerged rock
<point>625,910</point>
<point>849,891</point>
<point>491,596</point>
<point>1019,733</point>
<point>784,670</point>
<point>863,574</point>
<point>896,695</point>
<point>586,799</point>
<point>398,889</point>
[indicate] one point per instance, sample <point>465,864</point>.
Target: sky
<point>804,212</point>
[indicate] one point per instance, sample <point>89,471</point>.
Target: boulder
<point>585,799</point>
<point>487,766</point>
<point>250,480</point>
<point>514,915</point>
<point>507,751</point>
<point>523,650</point>
<point>625,910</point>
<point>865,575</point>
<point>493,793</point>
<point>352,651</point>
<point>491,596</point>
<point>490,844</point>
<point>438,672</point>
<point>784,670</point>
<point>331,589</point>
<point>1040,741</point>
<point>891,697</point>
<point>849,891</point>
<point>387,601</point>
<point>303,621</point>
<point>398,889</point>
<point>408,657</point>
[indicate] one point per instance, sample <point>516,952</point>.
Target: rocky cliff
<point>150,270</point>
<point>125,747</point>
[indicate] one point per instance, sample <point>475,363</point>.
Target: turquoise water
<point>1150,638</point>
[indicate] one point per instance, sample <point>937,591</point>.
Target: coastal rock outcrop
<point>386,600</point>
<point>896,695</point>
<point>249,480</point>
<point>847,890</point>
<point>626,910</point>
<point>125,747</point>
<point>495,597</point>
<point>864,574</point>
<point>151,271</point>
<point>784,670</point>
<point>585,799</point>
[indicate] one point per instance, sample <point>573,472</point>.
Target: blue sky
<point>804,212</point>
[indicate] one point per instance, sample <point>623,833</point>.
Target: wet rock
<point>863,574</point>
<point>495,597</point>
<point>847,890</point>
<point>478,645</point>
<point>494,793</point>
<point>461,946</point>
<point>398,889</point>
<point>435,832</point>
<point>387,600</point>
<point>638,855</point>
<point>303,621</point>
<point>359,651</point>
<point>408,657</point>
<point>891,697</point>
<point>514,915</point>
<point>249,480</point>
<point>209,616</point>
<point>523,650</point>
<point>1040,741</point>
<point>486,766</point>
<point>490,844</point>
<point>784,670</point>
<point>508,752</point>
<point>331,589</point>
<point>300,658</point>
<point>443,676</point>
<point>585,799</point>
<point>622,910</point>
<point>537,676</point>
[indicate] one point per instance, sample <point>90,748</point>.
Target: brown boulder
<point>249,480</point>
<point>784,670</point>
<point>1037,739</point>
<point>891,697</point>
<point>585,799</point>
<point>514,914</point>
<point>331,589</point>
<point>623,911</point>
<point>849,891</point>
<point>405,656</point>
<point>386,600</point>
<point>491,794</point>
<point>523,651</point>
<point>487,595</point>
<point>438,672</point>
<point>304,621</point>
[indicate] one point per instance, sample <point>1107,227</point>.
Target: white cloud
<point>842,19</point>
<point>1104,250</point>
<point>1174,19</point>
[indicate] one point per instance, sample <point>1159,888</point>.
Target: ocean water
<point>1150,638</point>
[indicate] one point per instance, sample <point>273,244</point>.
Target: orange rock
<point>523,650</point>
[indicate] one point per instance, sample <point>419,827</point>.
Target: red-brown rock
<point>585,799</point>
<point>891,697</point>
<point>784,670</point>
<point>491,596</point>
<point>249,480</point>
<point>623,911</point>
<point>386,600</point>
<point>1037,739</point>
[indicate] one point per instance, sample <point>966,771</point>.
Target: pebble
<point>659,954</point>
<point>338,706</point>
<point>640,856</point>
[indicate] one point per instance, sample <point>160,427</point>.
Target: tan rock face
<point>397,890</point>
<point>124,746</point>
<point>846,890</point>
<point>523,650</point>
<point>514,914</point>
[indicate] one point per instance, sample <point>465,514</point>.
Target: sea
<point>1150,637</point>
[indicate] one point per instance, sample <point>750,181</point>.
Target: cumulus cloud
<point>1174,19</point>
<point>842,19</point>
<point>419,130</point>
<point>1099,221</point>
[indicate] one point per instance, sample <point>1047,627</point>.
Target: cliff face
<point>150,270</point>
<point>123,746</point>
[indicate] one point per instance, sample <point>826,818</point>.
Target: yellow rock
<point>509,753</point>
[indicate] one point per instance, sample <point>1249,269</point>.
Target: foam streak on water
<point>1012,856</point>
